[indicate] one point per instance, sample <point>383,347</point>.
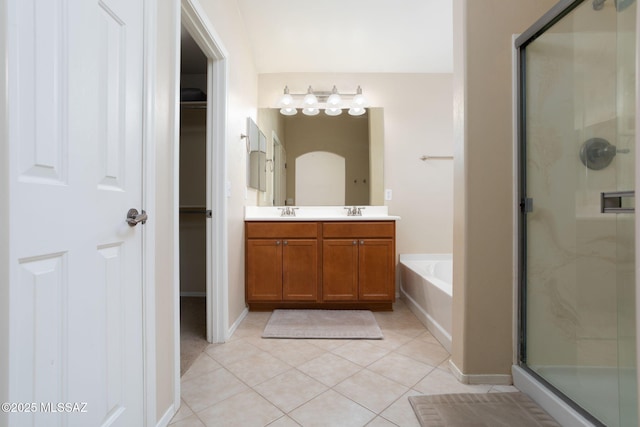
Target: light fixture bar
<point>332,102</point>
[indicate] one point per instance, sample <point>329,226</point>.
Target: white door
<point>75,141</point>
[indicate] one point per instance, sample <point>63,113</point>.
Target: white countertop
<point>317,213</point>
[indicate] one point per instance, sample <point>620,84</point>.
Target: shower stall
<point>577,131</point>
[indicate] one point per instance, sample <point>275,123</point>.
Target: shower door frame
<point>555,14</point>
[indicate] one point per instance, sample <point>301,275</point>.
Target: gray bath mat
<point>480,410</point>
<point>328,324</point>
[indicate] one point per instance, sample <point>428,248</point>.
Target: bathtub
<point>426,286</point>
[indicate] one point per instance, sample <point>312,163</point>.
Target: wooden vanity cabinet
<point>330,264</point>
<point>362,267</point>
<point>281,262</point>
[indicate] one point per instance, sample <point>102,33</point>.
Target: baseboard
<point>193,294</point>
<point>428,321</point>
<point>239,320</point>
<point>166,418</point>
<point>472,379</point>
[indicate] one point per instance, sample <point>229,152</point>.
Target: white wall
<point>418,120</point>
<point>241,103</point>
<point>4,218</point>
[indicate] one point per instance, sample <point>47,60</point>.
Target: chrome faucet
<point>354,211</point>
<point>288,211</point>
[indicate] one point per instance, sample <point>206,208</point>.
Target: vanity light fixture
<point>331,102</point>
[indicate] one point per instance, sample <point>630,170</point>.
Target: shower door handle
<point>617,201</point>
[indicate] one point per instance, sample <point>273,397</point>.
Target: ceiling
<point>348,36</point>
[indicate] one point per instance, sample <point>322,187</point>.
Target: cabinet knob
<point>277,242</point>
<point>362,242</point>
<point>355,242</point>
<point>285,242</point>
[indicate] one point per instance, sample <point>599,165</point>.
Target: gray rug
<point>328,324</point>
<point>480,410</point>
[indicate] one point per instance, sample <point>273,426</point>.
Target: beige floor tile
<point>296,353</point>
<point>381,422</point>
<point>202,365</point>
<point>257,368</point>
<point>182,413</point>
<point>391,341</point>
<point>442,382</point>
<point>445,365</point>
<point>210,388</point>
<point>328,344</point>
<point>232,351</point>
<point>424,351</point>
<point>267,344</point>
<point>401,369</point>
<point>331,409</point>
<point>329,369</point>
<point>191,421</point>
<point>284,383</point>
<point>360,352</point>
<point>371,390</point>
<point>245,409</point>
<point>285,421</point>
<point>289,390</point>
<point>246,330</point>
<point>401,413</point>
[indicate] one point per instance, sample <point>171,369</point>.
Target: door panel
<point>376,270</point>
<point>579,139</point>
<point>75,141</point>
<point>300,270</point>
<point>264,270</point>
<point>340,270</point>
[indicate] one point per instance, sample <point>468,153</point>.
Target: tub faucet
<point>288,211</point>
<point>354,211</point>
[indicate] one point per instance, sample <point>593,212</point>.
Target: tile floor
<point>250,381</point>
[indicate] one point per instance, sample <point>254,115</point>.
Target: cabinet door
<point>340,270</point>
<point>376,269</point>
<point>264,270</point>
<point>300,270</point>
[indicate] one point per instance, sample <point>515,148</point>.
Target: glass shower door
<point>578,173</point>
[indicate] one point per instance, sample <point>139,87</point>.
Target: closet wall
<point>193,190</point>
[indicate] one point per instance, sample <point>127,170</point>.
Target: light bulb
<point>333,111</point>
<point>288,111</point>
<point>310,111</point>
<point>334,100</point>
<point>286,100</point>
<point>310,100</point>
<point>358,104</point>
<point>286,103</point>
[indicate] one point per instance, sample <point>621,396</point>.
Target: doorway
<point>194,20</point>
<point>193,213</point>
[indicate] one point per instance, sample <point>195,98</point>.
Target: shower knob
<point>598,153</point>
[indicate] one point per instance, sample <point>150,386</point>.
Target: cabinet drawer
<point>281,230</point>
<point>358,229</point>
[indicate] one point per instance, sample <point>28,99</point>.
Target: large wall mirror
<point>322,160</point>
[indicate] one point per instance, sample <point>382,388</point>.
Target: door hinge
<point>526,205</point>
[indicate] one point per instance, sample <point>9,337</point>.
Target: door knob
<point>133,217</point>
